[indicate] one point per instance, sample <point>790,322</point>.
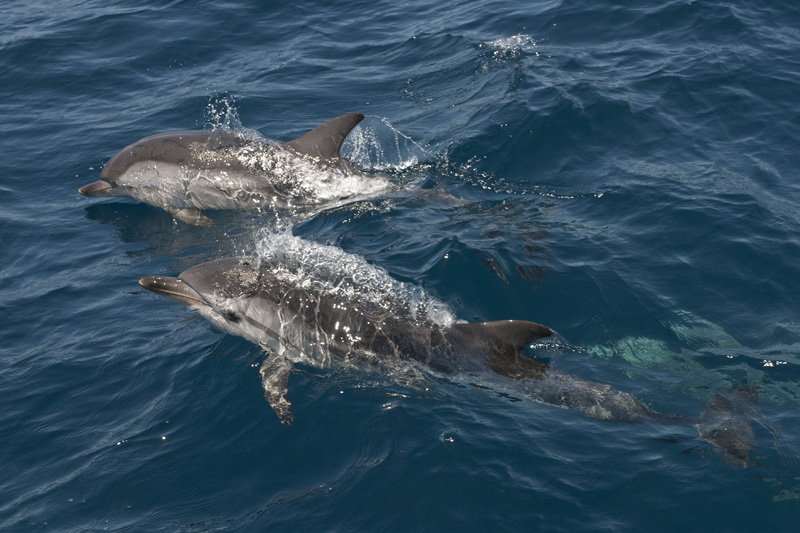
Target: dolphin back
<point>178,148</point>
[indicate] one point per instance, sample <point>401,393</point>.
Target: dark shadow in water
<point>136,223</point>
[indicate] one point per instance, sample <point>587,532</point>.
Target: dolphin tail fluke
<point>275,372</point>
<point>725,424</point>
<point>324,141</point>
<point>190,215</point>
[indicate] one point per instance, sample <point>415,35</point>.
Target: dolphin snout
<point>95,188</point>
<point>173,288</point>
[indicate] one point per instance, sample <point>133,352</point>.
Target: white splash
<point>221,114</point>
<point>307,182</point>
<point>508,48</point>
<point>347,277</point>
<point>377,145</point>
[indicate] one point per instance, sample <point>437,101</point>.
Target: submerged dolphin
<point>184,172</point>
<point>297,321</point>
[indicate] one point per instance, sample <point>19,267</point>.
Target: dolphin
<point>184,172</point>
<point>300,321</point>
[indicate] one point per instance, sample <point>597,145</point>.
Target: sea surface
<point>627,173</point>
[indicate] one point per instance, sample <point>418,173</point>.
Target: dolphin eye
<point>231,315</point>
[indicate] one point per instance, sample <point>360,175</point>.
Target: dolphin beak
<point>174,289</point>
<point>94,188</point>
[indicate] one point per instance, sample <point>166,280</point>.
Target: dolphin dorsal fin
<point>504,334</point>
<point>502,342</point>
<point>324,141</point>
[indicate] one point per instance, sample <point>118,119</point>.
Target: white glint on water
<point>515,43</point>
<point>508,48</point>
<point>330,271</point>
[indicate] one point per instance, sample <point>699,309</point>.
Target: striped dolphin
<point>299,319</point>
<point>184,172</point>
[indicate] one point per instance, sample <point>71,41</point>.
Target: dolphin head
<point>176,149</point>
<point>117,167</point>
<point>227,292</point>
<point>214,284</point>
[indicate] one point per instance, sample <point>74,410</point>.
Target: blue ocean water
<point>625,173</point>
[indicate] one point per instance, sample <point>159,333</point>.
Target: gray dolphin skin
<point>184,172</point>
<point>297,323</point>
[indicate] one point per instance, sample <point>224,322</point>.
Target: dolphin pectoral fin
<point>725,424</point>
<point>275,373</point>
<point>324,141</point>
<point>190,215</point>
